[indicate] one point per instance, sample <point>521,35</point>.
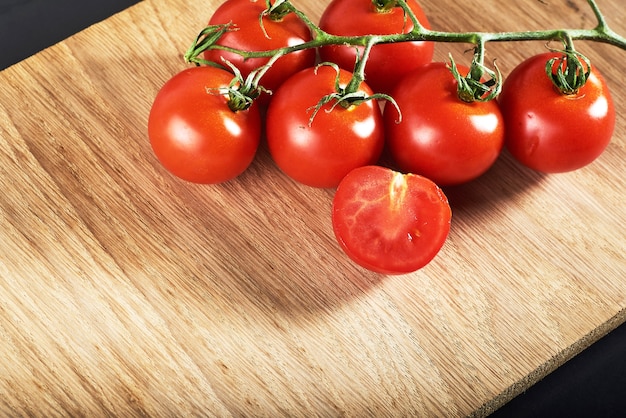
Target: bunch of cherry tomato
<point>206,124</point>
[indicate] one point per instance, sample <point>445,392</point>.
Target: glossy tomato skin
<point>387,63</point>
<point>388,222</point>
<point>440,136</point>
<point>193,132</point>
<point>320,153</point>
<point>250,36</point>
<point>549,131</point>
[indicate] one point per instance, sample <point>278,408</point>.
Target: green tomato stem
<point>207,39</point>
<point>601,33</point>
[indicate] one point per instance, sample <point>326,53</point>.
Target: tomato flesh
<point>388,222</point>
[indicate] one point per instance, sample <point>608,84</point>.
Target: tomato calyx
<point>242,92</point>
<point>240,95</point>
<point>481,84</point>
<point>347,96</point>
<point>384,6</point>
<point>276,11</point>
<point>569,71</point>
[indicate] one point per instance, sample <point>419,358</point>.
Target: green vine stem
<point>208,38</point>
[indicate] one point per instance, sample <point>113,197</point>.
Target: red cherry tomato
<point>440,136</point>
<point>389,222</point>
<point>387,63</point>
<point>321,151</point>
<point>553,132</point>
<point>193,132</point>
<point>250,36</point>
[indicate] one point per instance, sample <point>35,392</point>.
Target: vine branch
<point>600,33</point>
<point>209,37</point>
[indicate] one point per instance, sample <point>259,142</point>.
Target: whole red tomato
<point>387,63</point>
<point>389,222</point>
<point>550,131</point>
<point>194,133</point>
<point>251,36</point>
<point>319,151</point>
<point>440,136</point>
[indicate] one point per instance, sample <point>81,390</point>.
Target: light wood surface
<point>124,291</point>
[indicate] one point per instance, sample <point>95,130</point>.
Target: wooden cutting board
<point>125,291</point>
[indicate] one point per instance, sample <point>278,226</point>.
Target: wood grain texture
<point>126,292</point>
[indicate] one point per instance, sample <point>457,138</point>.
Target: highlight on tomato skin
<point>389,222</point>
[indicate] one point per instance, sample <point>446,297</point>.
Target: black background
<point>593,384</point>
<point>27,26</point>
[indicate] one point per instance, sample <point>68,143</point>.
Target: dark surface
<point>593,384</point>
<point>27,26</point>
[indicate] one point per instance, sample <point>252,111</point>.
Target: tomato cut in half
<point>389,222</point>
